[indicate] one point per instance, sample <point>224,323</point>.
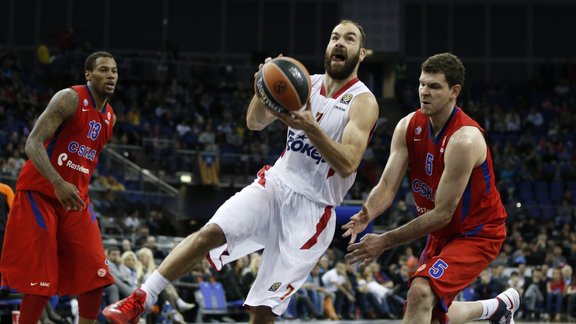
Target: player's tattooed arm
<point>61,107</point>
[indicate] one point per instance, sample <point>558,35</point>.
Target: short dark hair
<point>360,28</point>
<point>446,63</point>
<point>114,248</point>
<point>90,62</point>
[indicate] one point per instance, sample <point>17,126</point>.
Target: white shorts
<point>293,231</point>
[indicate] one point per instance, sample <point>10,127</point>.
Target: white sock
<point>153,286</point>
<point>181,303</point>
<point>489,306</point>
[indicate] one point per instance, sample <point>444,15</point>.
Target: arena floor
<point>398,322</point>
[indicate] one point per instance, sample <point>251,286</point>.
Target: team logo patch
<point>418,130</point>
<point>101,272</point>
<point>85,102</point>
<point>347,98</point>
<point>422,267</point>
<point>275,286</point>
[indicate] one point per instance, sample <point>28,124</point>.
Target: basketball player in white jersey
<point>289,208</point>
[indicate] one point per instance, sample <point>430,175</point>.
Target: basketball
<point>283,84</point>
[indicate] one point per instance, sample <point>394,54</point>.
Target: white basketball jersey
<point>300,166</point>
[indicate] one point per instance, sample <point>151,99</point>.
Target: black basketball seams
<point>296,76</point>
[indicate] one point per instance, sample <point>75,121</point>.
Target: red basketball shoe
<point>127,310</point>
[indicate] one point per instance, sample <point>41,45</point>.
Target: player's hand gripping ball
<point>283,84</point>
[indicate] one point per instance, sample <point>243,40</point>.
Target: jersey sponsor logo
<point>423,189</point>
<point>422,267</point>
<point>63,157</point>
<point>85,109</point>
<point>297,144</point>
<point>347,98</point>
<point>82,150</point>
<point>275,286</point>
<point>339,108</point>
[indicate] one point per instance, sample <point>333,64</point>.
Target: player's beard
<point>343,72</point>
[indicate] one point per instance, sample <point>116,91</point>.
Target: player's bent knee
<point>421,293</point>
<point>262,312</point>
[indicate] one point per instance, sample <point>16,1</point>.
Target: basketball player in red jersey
<point>53,244</point>
<point>459,208</point>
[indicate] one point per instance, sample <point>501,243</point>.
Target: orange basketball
<point>283,84</point>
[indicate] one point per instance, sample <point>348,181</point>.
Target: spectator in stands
<point>121,274</point>
<point>159,223</point>
<point>381,292</point>
<point>535,294</point>
<point>131,220</point>
<point>516,282</point>
<point>131,262</point>
<point>487,287</point>
<point>322,300</point>
<point>336,282</point>
<point>558,259</point>
<point>570,280</point>
<point>556,291</point>
<point>231,278</point>
<point>126,245</point>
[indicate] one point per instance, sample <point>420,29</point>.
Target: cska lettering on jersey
<point>297,144</point>
<point>423,189</point>
<point>82,150</point>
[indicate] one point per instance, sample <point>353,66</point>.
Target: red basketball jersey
<point>74,148</point>
<point>480,204</point>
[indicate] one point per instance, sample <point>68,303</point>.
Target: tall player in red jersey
<point>459,208</point>
<point>53,244</point>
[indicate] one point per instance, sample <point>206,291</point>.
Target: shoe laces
<point>130,303</point>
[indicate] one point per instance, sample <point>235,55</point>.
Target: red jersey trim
<point>319,228</point>
<point>339,92</point>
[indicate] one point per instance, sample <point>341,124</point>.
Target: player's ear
<point>88,75</point>
<point>455,91</point>
<point>362,54</point>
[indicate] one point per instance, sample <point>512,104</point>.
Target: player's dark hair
<point>360,28</point>
<point>446,63</point>
<point>90,62</point>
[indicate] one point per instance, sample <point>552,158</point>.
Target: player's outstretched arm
<point>258,115</point>
<point>382,195</point>
<point>465,150</point>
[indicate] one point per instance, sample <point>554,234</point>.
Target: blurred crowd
<point>530,132</point>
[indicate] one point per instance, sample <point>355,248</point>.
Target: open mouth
<point>338,56</point>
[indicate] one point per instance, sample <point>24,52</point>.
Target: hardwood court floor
<point>399,321</point>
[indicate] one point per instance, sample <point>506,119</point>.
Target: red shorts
<point>49,250</point>
<point>451,266</point>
